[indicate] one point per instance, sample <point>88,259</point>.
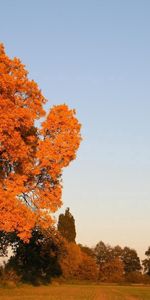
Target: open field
<point>76,292</point>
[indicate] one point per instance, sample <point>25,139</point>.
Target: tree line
<point>54,254</point>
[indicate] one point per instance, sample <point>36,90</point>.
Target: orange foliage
<point>71,260</point>
<point>76,264</point>
<point>87,269</point>
<point>112,271</point>
<point>31,159</point>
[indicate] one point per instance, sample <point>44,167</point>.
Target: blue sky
<point>95,56</point>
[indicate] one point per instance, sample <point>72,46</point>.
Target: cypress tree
<point>66,226</point>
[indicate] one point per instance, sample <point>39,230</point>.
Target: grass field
<point>76,292</point>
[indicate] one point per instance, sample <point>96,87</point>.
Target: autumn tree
<point>76,264</point>
<point>102,253</point>
<point>131,260</point>
<point>70,260</point>
<point>110,265</point>
<point>31,158</point>
<point>113,270</point>
<point>87,269</point>
<point>66,226</point>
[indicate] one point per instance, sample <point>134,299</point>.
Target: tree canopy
<point>131,260</point>
<point>31,158</point>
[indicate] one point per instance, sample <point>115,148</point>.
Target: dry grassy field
<point>76,292</point>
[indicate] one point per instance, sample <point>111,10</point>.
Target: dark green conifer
<point>66,226</point>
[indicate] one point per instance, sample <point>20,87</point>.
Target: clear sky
<point>95,56</point>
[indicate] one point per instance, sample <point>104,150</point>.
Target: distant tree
<point>110,265</point>
<point>146,262</point>
<point>102,252</point>
<point>103,256</point>
<point>66,226</point>
<point>131,260</point>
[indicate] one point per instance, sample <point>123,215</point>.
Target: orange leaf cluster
<point>31,159</point>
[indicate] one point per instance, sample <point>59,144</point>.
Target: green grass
<point>76,292</point>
